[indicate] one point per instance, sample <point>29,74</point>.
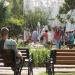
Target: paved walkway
<point>36,71</point>
<point>8,71</point>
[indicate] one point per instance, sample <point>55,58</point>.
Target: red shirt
<point>45,34</point>
<point>57,35</point>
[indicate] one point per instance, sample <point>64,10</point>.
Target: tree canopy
<point>32,18</point>
<point>68,5</point>
<point>13,17</point>
<point>2,13</point>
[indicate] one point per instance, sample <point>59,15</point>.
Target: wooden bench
<point>8,59</point>
<point>60,59</point>
<point>27,58</point>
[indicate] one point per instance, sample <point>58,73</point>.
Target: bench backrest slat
<point>65,62</point>
<point>66,50</point>
<point>64,57</point>
<point>65,54</point>
<point>25,52</point>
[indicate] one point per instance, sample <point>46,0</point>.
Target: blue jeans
<point>58,43</point>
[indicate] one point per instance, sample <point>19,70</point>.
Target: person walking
<point>57,38</point>
<point>35,36</point>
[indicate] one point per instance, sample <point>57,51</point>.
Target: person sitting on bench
<point>6,43</point>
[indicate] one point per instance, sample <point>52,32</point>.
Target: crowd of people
<point>56,36</point>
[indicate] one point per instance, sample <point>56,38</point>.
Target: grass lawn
<point>59,74</point>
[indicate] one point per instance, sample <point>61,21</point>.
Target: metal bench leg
<point>53,69</point>
<point>20,72</point>
<point>49,71</point>
<point>15,73</point>
<point>47,67</point>
<point>31,70</point>
<point>28,70</point>
<point>20,68</point>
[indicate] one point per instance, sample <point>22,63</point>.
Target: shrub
<point>39,56</point>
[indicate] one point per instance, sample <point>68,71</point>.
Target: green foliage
<point>32,18</point>
<point>68,5</point>
<point>39,56</point>
<point>43,73</point>
<point>16,21</point>
<point>15,30</point>
<point>60,19</point>
<point>17,8</point>
<point>21,44</point>
<point>12,14</point>
<point>2,14</point>
<point>66,73</point>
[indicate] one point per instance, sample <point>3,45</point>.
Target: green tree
<point>12,16</point>
<point>32,18</point>
<point>68,5</point>
<point>17,8</point>
<point>3,13</point>
<point>16,20</point>
<point>15,30</point>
